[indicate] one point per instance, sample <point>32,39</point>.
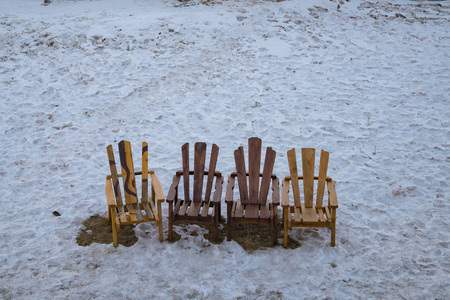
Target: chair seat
<point>299,216</point>
<point>194,209</point>
<point>135,213</point>
<point>250,211</point>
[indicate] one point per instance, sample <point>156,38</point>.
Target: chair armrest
<point>109,193</point>
<point>285,193</point>
<point>275,191</point>
<point>332,197</point>
<point>287,178</point>
<point>218,192</point>
<point>230,188</point>
<point>156,185</point>
<point>173,189</point>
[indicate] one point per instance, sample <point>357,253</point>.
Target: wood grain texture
<point>114,176</point>
<point>129,180</point>
<point>144,172</point>
<point>323,167</point>
<point>211,171</point>
<point>269,162</point>
<point>254,164</point>
<point>241,174</point>
<point>292,160</point>
<point>308,159</point>
<point>185,159</point>
<point>199,170</point>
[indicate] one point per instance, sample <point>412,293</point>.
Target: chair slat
<point>308,156</point>
<point>251,211</point>
<point>323,167</point>
<point>327,213</point>
<point>148,210</point>
<point>199,170</point>
<point>122,214</point>
<point>134,211</point>
<point>114,176</point>
<point>194,208</point>
<point>292,159</point>
<point>297,214</point>
<point>320,213</point>
<point>309,214</point>
<point>185,158</point>
<point>184,207</point>
<point>176,210</point>
<point>254,164</point>
<point>241,174</point>
<point>205,209</point>
<point>265,213</point>
<point>129,181</point>
<point>212,169</point>
<point>267,175</point>
<point>144,172</point>
<point>239,210</point>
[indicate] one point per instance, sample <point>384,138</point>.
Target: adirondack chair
<point>200,208</point>
<point>307,214</point>
<point>253,207</point>
<point>132,211</point>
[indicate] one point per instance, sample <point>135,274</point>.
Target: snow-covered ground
<point>368,81</point>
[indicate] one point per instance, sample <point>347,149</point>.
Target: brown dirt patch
<point>250,237</point>
<point>97,229</point>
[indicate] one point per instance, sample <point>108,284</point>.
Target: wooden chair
<point>253,207</point>
<point>307,214</point>
<point>196,209</point>
<point>132,212</point>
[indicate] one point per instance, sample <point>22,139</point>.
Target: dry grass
<point>97,229</point>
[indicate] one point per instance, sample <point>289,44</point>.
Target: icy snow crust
<point>368,82</point>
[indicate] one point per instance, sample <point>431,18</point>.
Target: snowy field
<point>368,81</point>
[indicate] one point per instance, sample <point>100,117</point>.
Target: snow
<point>368,81</point>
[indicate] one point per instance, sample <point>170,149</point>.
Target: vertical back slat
<point>241,174</point>
<point>199,170</point>
<point>323,167</point>
<point>129,181</point>
<point>254,164</point>
<point>212,169</point>
<point>292,159</point>
<point>144,172</point>
<point>308,156</point>
<point>185,158</point>
<point>267,175</point>
<point>114,176</point>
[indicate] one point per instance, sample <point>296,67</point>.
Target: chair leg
<point>274,226</point>
<point>285,225</point>
<point>229,221</point>
<point>170,221</point>
<point>333,227</point>
<point>160,227</point>
<point>114,231</point>
<point>216,222</point>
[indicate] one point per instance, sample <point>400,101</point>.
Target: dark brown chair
<point>200,208</point>
<point>253,207</point>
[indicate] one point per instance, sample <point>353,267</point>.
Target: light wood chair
<point>307,214</point>
<point>132,211</point>
<point>253,207</point>
<point>201,208</point>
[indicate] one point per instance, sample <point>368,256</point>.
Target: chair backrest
<point>199,170</point>
<point>308,161</point>
<point>128,173</point>
<point>254,193</point>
